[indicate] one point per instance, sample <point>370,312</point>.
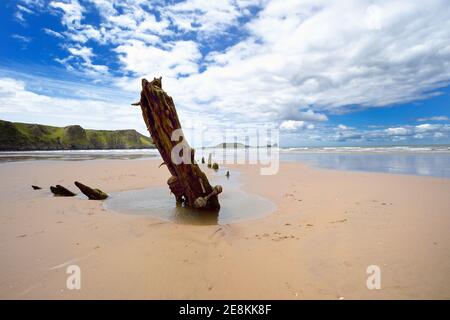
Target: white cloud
<point>177,58</point>
<point>435,118</point>
<point>72,12</point>
<point>81,57</point>
<point>399,131</point>
<point>17,102</point>
<point>303,58</point>
<point>208,17</point>
<point>53,33</point>
<point>21,12</point>
<point>21,38</point>
<point>395,134</point>
<point>313,55</point>
<point>293,62</point>
<point>292,125</point>
<point>426,127</point>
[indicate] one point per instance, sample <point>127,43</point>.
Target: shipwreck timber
<point>187,181</point>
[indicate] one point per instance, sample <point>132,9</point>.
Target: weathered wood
<point>60,191</point>
<point>209,160</point>
<point>187,182</point>
<point>92,194</point>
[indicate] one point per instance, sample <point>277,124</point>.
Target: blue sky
<point>322,72</point>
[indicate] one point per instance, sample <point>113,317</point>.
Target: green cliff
<point>24,136</point>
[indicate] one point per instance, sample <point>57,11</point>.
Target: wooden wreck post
<point>187,182</point>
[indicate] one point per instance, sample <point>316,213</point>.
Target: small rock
<point>36,187</point>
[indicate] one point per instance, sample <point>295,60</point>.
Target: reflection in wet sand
<point>423,164</point>
<point>78,155</point>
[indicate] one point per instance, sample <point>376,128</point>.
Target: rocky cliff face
<point>23,136</point>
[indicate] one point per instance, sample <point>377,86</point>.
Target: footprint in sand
<point>291,195</point>
<point>339,221</point>
<point>284,237</point>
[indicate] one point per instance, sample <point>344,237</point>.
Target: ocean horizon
<point>423,160</point>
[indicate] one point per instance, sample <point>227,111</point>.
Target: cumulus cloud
<point>208,17</point>
<point>81,57</point>
<point>325,55</point>
<point>432,132</point>
<point>292,125</point>
<point>177,58</point>
<point>17,102</point>
<point>427,127</point>
<point>323,58</point>
<point>72,12</point>
<point>399,131</point>
<point>291,62</point>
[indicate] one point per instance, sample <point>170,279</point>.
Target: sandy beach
<point>327,228</point>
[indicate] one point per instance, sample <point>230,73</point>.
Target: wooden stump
<point>92,194</point>
<point>187,182</point>
<point>60,191</point>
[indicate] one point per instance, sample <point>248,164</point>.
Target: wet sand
<point>328,227</point>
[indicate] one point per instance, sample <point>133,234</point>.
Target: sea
<point>432,160</point>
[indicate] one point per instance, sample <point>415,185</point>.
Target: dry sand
<point>329,226</point>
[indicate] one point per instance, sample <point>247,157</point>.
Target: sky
<point>363,72</point>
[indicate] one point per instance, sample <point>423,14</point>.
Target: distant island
<point>232,145</point>
<point>238,145</point>
<point>15,136</point>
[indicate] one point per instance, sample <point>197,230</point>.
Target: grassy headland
<point>23,136</point>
